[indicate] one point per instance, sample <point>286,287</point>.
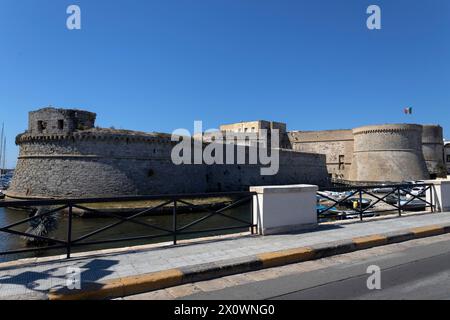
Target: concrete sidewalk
<point>114,273</point>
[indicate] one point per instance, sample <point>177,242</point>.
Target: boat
<point>413,205</point>
<point>418,192</point>
<point>383,189</point>
<point>355,203</point>
<point>331,214</point>
<point>393,199</point>
<point>332,211</point>
<point>337,196</point>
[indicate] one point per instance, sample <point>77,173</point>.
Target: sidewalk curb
<point>168,278</point>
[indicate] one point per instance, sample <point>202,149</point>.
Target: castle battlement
<point>97,134</point>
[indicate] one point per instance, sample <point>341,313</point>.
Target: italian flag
<point>408,110</point>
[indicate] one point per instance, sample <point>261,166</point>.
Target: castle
<point>63,154</point>
<point>377,154</point>
<point>367,155</point>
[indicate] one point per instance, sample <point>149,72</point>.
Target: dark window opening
<point>433,176</point>
<point>60,124</point>
<point>448,158</point>
<point>41,126</point>
<point>341,162</point>
<point>150,173</point>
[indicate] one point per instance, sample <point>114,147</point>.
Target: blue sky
<point>158,65</point>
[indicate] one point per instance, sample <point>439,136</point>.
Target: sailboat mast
<point>2,156</point>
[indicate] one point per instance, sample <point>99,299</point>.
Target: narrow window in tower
<point>41,126</point>
<point>341,162</point>
<point>60,124</point>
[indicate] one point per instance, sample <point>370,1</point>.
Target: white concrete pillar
<point>441,194</point>
<point>281,209</point>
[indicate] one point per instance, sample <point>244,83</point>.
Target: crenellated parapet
<point>98,135</point>
<point>389,129</point>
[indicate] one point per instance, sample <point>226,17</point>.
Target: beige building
<point>254,126</point>
<point>248,133</point>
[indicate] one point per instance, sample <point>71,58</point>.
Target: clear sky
<point>158,65</point>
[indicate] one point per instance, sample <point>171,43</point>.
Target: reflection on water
<point>83,226</point>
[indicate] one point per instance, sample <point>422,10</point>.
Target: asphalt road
<point>418,272</point>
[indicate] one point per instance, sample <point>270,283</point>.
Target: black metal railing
<point>352,197</point>
<point>174,232</point>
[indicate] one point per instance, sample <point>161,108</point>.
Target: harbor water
<point>85,225</point>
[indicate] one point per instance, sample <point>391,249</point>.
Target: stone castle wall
<point>295,167</point>
<point>336,145</point>
<point>100,165</point>
<point>433,146</point>
<point>103,162</point>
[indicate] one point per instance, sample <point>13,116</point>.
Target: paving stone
<point>184,290</point>
<point>154,295</point>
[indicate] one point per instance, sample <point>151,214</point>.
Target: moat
<point>82,226</point>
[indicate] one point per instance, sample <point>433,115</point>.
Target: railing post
<point>174,222</point>
<point>399,202</point>
<point>360,205</point>
<point>431,197</point>
<point>252,228</point>
<point>69,232</point>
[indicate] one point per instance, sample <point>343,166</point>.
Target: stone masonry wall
<point>388,153</point>
<point>97,162</point>
<point>59,121</point>
<point>336,145</point>
<point>433,150</point>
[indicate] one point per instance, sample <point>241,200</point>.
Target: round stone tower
<point>433,150</point>
<point>388,153</point>
<point>63,155</point>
